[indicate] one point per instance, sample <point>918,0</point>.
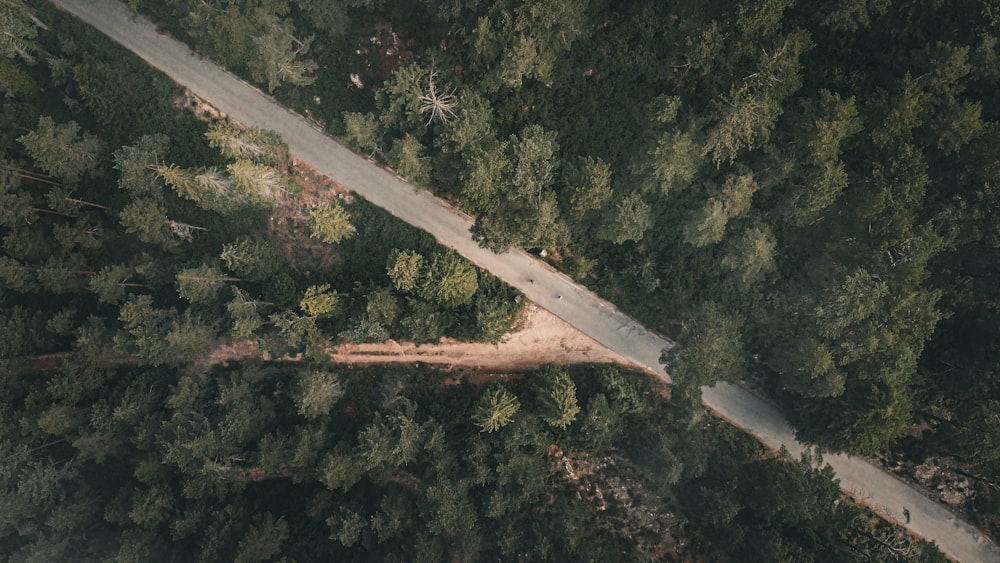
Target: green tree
<point>675,161</point>
<point>245,314</point>
<point>319,301</point>
<point>329,16</point>
<point>748,114</point>
<point>856,299</point>
<point>317,391</point>
<point>623,396</point>
<point>450,280</point>
<point>16,276</point>
<point>980,441</point>
<point>737,193</point>
<point>251,258</point>
<point>382,306</point>
<point>62,274</point>
<point>709,349</point>
<point>147,219</point>
<point>535,161</point>
<point>555,396</point>
<point>330,223</point>
<point>495,409</point>
<point>423,324</point>
<point>20,28</point>
<point>190,339</point>
<point>16,208</point>
<point>630,221</point>
<point>708,225</point>
<point>14,81</point>
<point>361,133</point>
<point>300,333</point>
<point>866,418</point>
<point>263,540</point>
<point>601,423</point>
<point>485,176</point>
<point>408,159</point>
<point>261,184</point>
<point>400,99</point>
<point>210,188</point>
<point>496,317</point>
<point>202,283</point>
<point>405,269</point>
<point>146,329</point>
<point>61,150</point>
<point>837,121</point>
<point>137,166</point>
<point>255,144</point>
<point>593,189</point>
<point>280,55</point>
<point>807,366</point>
<point>752,256</point>
<point>852,15</point>
<point>111,282</point>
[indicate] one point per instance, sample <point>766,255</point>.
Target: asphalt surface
<point>551,290</point>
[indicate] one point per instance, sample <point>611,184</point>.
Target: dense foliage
<point>269,461</point>
<point>822,176</point>
<point>826,219</point>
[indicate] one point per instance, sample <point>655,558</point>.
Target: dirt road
<point>551,290</point>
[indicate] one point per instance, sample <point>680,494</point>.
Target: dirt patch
<point>221,356</point>
<point>289,222</point>
<point>199,107</point>
<point>543,339</point>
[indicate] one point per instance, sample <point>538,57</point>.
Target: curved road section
<point>552,290</point>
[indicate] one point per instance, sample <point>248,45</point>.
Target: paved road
<point>573,303</point>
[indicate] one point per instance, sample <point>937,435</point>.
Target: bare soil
<point>543,339</point>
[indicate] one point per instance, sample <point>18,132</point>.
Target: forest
<point>801,196</point>
<point>807,193</point>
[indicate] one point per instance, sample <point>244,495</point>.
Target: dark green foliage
<point>450,280</point>
<point>571,135</point>
<point>845,213</point>
<point>624,397</point>
<point>771,508</point>
<point>709,349</point>
<point>60,150</point>
<point>555,396</point>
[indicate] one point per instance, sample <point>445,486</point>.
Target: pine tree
<point>319,301</point>
<point>316,393</point>
<point>256,145</point>
<point>251,258</point>
<point>60,150</point>
<point>202,283</point>
<point>450,281</point>
<point>709,349</point>
<point>555,396</point>
<point>111,282</point>
<point>330,223</point>
<point>405,269</point>
<point>244,313</point>
<point>137,166</point>
<point>495,409</point>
